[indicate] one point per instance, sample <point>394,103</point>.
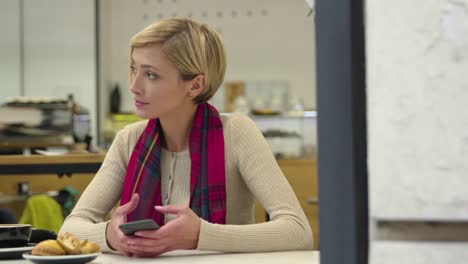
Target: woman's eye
<point>151,76</point>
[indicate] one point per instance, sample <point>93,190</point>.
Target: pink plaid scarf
<point>207,176</point>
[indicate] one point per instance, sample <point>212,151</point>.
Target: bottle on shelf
<point>115,99</point>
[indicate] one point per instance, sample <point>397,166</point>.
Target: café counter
<point>59,164</point>
<point>42,174</point>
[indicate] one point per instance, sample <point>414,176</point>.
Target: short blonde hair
<point>192,47</point>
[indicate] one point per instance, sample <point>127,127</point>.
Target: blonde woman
<point>196,173</point>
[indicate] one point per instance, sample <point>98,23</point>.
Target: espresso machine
<point>38,123</point>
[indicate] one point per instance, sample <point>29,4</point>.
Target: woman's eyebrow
<point>146,66</point>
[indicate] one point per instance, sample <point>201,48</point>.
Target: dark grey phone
<point>131,227</point>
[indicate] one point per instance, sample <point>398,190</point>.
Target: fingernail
<point>157,207</point>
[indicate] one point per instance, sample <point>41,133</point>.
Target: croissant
<point>66,244</point>
<point>70,243</point>
<point>48,248</point>
<point>88,247</point>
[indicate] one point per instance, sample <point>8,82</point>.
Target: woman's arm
<point>86,221</point>
<point>288,228</point>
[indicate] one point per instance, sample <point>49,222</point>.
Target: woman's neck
<point>176,129</point>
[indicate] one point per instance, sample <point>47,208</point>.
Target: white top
<point>207,257</point>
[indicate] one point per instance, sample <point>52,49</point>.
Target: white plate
<point>15,252</point>
<point>67,259</point>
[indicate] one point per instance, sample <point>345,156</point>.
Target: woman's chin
<point>144,114</point>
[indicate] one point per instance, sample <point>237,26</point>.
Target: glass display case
<point>290,135</point>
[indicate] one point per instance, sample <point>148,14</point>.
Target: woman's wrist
<point>107,237</point>
<point>198,234</point>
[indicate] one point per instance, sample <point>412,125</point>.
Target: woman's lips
<point>139,104</point>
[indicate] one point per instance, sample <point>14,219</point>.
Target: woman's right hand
<point>115,238</point>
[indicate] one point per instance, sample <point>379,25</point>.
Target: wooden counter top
<point>94,158</point>
<point>61,164</point>
<point>59,159</point>
<point>292,162</point>
<point>76,163</point>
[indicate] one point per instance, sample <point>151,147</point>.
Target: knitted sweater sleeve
<point>87,220</point>
<point>288,228</point>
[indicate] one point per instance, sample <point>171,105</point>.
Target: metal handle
<point>312,200</point>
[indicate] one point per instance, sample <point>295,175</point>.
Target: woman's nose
<point>135,86</point>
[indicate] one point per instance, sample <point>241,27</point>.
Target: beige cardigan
<point>251,173</point>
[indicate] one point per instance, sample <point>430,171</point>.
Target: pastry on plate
<point>88,247</point>
<point>70,243</point>
<point>48,248</point>
<point>66,244</point>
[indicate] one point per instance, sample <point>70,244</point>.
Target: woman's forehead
<point>150,55</point>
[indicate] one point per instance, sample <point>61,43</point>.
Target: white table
<point>195,257</point>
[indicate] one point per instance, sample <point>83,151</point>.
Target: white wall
<point>9,49</point>
<point>60,52</point>
<point>265,39</point>
<point>417,70</point>
<point>56,39</point>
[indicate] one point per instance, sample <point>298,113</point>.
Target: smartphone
<point>131,227</point>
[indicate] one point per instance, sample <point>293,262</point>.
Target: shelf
<point>302,114</point>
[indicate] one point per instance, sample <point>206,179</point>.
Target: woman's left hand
<point>181,233</point>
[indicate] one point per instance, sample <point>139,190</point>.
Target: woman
<point>194,172</point>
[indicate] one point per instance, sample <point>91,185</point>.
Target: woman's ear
<point>197,85</point>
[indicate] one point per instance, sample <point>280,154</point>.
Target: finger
<point>126,249</point>
<point>146,242</point>
<point>170,209</point>
<point>158,234</point>
<point>152,251</point>
<point>130,206</point>
<point>142,251</point>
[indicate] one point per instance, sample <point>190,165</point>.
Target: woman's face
<point>156,86</point>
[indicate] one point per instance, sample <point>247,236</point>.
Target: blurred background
<point>64,86</point>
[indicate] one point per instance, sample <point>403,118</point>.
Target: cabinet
<point>38,184</point>
<point>41,174</point>
<point>302,175</point>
